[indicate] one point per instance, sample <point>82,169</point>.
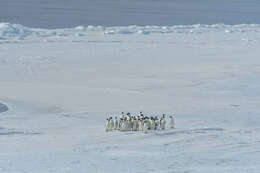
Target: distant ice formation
<point>8,30</point>
<point>13,30</point>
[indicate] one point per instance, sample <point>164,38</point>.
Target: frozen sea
<point>64,13</point>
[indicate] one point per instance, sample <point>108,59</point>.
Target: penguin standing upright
<point>163,122</point>
<point>148,123</point>
<point>140,124</point>
<point>111,124</point>
<point>171,122</point>
<point>120,123</point>
<point>116,124</point>
<point>140,114</point>
<point>107,125</point>
<point>124,124</point>
<point>156,123</point>
<point>152,123</point>
<point>122,115</point>
<point>145,126</point>
<point>128,122</point>
<point>135,124</point>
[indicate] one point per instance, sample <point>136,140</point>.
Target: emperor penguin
<point>116,124</point>
<point>107,125</point>
<point>140,114</point>
<point>120,123</point>
<point>152,124</point>
<point>140,124</point>
<point>122,115</point>
<point>111,124</point>
<point>171,122</point>
<point>148,123</point>
<point>124,124</point>
<point>145,125</point>
<point>163,122</point>
<point>156,123</point>
<point>135,124</point>
<point>128,122</point>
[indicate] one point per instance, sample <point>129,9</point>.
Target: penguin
<point>135,124</point>
<point>111,124</point>
<point>128,122</point>
<point>131,124</point>
<point>107,125</point>
<point>148,123</point>
<point>120,124</point>
<point>145,126</point>
<point>116,124</point>
<point>171,122</point>
<point>124,124</point>
<point>163,122</point>
<point>122,115</point>
<point>140,124</point>
<point>156,123</point>
<point>163,115</point>
<point>152,123</point>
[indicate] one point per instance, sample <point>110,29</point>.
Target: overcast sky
<point>69,13</point>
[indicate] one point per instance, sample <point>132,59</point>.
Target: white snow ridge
<point>14,30</point>
<point>60,85</point>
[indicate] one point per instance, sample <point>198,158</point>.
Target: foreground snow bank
<point>16,30</point>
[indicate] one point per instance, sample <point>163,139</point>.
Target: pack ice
<point>58,86</point>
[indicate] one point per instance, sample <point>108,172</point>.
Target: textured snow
<point>59,86</point>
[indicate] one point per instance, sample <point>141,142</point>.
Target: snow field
<point>60,87</point>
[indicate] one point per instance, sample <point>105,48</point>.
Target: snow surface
<point>59,86</point>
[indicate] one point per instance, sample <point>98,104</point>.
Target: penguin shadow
<point>189,131</point>
<point>131,132</point>
<point>78,116</point>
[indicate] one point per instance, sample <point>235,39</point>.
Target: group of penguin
<point>139,123</point>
